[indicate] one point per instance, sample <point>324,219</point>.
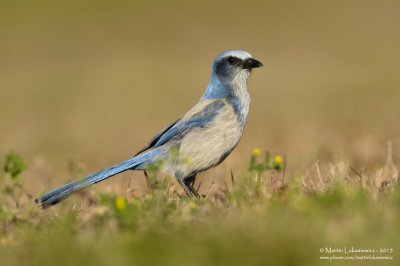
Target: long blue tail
<point>56,195</point>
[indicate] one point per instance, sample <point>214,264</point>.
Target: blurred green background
<point>93,81</point>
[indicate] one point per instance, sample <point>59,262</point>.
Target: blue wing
<point>199,119</point>
<point>179,128</point>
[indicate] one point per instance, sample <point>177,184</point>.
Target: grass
<point>260,218</point>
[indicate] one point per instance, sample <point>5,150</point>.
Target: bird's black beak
<point>251,63</point>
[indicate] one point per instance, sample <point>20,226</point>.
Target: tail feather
<point>56,195</point>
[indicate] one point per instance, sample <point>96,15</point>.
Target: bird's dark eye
<point>232,60</point>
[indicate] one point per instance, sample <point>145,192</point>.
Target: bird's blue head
<point>231,63</point>
<point>230,71</point>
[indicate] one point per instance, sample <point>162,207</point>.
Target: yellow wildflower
<point>256,151</point>
<point>120,203</point>
<point>278,159</point>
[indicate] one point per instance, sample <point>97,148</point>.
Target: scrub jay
<point>203,138</point>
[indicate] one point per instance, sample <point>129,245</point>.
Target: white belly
<point>203,148</point>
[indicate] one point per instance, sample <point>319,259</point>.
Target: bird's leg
<point>187,185</point>
<point>189,181</point>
